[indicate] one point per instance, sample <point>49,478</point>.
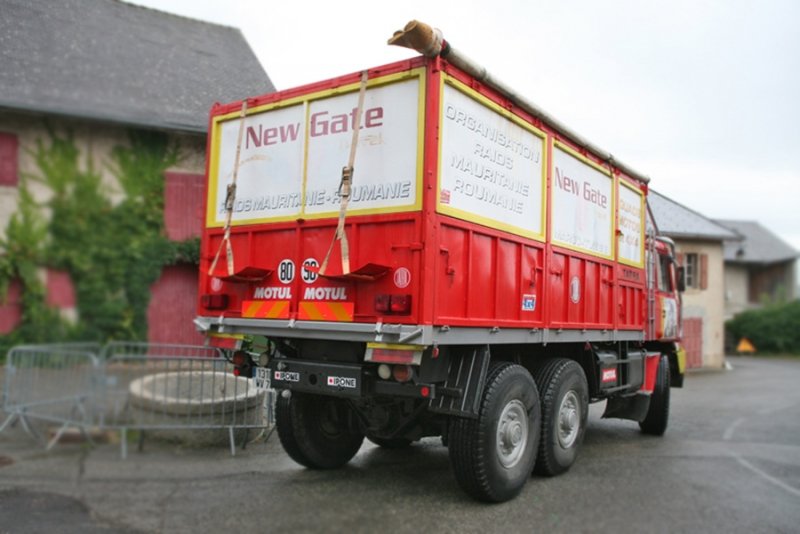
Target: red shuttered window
<point>9,150</point>
<point>183,205</point>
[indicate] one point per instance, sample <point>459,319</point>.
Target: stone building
<point>82,84</point>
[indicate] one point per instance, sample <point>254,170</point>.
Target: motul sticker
<point>287,376</point>
<point>342,382</point>
<point>325,293</point>
<point>528,303</point>
<point>270,293</point>
<point>609,375</point>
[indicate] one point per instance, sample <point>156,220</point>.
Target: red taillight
<point>240,358</point>
<point>401,304</point>
<point>402,373</point>
<point>393,304</point>
<point>425,391</point>
<point>383,303</point>
<point>214,302</point>
<point>392,356</point>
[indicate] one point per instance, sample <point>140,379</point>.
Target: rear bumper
<point>403,334</point>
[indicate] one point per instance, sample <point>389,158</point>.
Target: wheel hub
<point>512,433</point>
<point>569,418</point>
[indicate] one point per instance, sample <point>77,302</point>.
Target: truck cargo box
<point>469,220</point>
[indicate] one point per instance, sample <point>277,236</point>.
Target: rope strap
<point>345,188</point>
<point>230,200</point>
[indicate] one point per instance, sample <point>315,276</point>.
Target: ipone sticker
<point>287,376</point>
<point>342,382</point>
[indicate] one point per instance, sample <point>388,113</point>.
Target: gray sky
<point>700,95</point>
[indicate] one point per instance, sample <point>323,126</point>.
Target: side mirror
<point>681,271</point>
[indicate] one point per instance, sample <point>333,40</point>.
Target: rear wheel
<point>655,422</point>
<point>565,407</point>
<point>317,431</point>
<point>492,456</point>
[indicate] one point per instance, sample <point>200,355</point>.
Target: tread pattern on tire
<point>467,440</point>
<point>293,432</point>
<point>546,378</point>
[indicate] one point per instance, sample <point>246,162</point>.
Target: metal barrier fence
<point>164,390</point>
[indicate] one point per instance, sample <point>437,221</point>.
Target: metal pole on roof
<point>430,42</point>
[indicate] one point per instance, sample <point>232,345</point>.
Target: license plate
<point>261,376</point>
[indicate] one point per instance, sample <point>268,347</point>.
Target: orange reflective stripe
<point>309,311</point>
<point>326,311</point>
<point>265,309</point>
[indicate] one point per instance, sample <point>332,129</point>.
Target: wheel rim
<point>512,433</point>
<point>331,421</point>
<point>569,420</point>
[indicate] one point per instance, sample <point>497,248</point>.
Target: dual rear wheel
<point>520,426</point>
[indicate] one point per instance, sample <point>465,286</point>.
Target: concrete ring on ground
<point>168,404</point>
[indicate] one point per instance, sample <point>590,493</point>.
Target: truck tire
<point>317,431</point>
<point>565,408</point>
<point>493,455</point>
<point>391,443</point>
<point>655,422</point>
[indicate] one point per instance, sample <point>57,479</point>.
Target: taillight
<point>401,304</point>
<point>402,373</point>
<point>383,303</point>
<point>214,302</point>
<point>393,304</point>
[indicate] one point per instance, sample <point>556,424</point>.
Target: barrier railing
<point>164,390</point>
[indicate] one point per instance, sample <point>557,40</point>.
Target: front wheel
<point>493,455</point>
<point>317,431</point>
<point>655,422</point>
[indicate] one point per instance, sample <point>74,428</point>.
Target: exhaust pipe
<point>430,43</point>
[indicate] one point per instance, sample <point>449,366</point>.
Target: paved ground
<point>730,462</point>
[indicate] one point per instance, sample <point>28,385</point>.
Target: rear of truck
<point>425,257</point>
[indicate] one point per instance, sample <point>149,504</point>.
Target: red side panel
<point>580,291</point>
<point>486,278</point>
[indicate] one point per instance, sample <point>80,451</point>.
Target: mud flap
<point>466,376</point>
<point>632,407</point>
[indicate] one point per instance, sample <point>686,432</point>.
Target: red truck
<point>430,254</point>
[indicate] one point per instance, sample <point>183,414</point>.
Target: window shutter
<point>183,195</point>
<point>8,159</point>
<point>703,271</point>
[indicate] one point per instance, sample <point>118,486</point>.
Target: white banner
<point>582,205</point>
<point>630,217</point>
<point>270,165</point>
<point>386,160</point>
<point>270,179</point>
<point>491,168</point>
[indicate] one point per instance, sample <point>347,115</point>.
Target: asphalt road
<point>730,462</point>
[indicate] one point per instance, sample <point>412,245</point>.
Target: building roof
<point>116,62</point>
<point>679,222</point>
<point>757,244</point>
